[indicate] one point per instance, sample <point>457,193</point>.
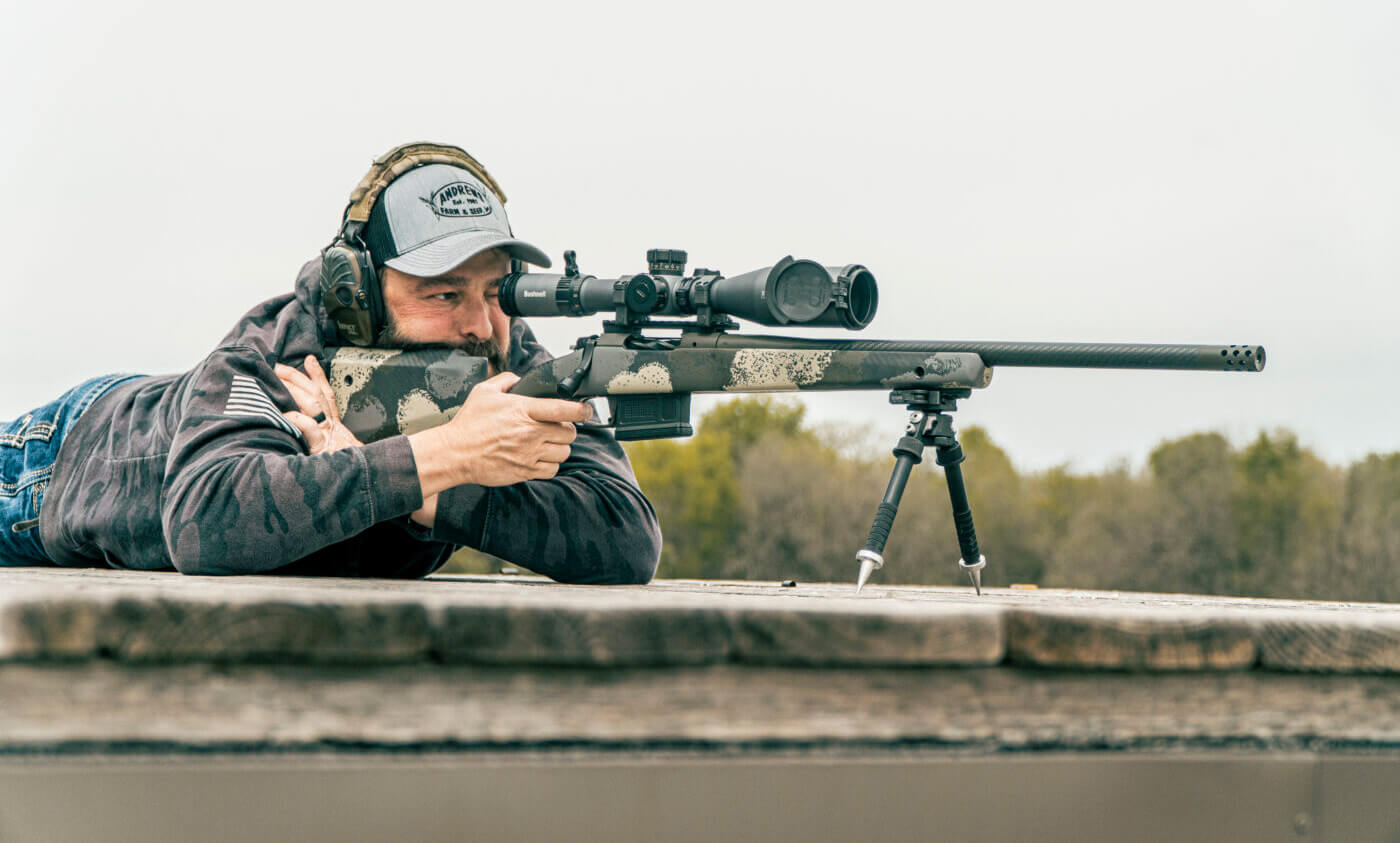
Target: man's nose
<point>474,320</point>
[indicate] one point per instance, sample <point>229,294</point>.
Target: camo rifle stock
<point>383,392</point>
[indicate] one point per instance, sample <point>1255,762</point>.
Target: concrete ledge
<point>678,798</point>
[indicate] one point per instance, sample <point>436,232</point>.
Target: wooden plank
<point>1336,641</point>
<point>109,707</point>
<point>141,617</point>
<point>155,618</point>
<point>1130,639</point>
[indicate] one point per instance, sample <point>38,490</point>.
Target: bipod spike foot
<point>974,572</point>
<point>869,562</point>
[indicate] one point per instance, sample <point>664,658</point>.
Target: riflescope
<point>790,292</point>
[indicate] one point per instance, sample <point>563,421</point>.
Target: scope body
<point>790,292</point>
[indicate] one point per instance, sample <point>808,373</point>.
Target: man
<point>241,465</point>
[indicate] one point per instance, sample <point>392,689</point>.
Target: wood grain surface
<point>105,707</point>
<point>57,615</point>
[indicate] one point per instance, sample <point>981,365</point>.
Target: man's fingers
<point>310,431</point>
<point>554,453</point>
<point>290,376</point>
<point>560,433</point>
<point>306,395</point>
<point>323,386</point>
<point>556,410</point>
<point>499,383</point>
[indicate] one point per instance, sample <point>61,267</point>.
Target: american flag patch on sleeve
<point>247,399</point>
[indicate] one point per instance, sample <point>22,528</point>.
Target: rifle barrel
<point>1224,358</point>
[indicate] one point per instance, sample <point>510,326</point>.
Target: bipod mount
<point>929,425</point>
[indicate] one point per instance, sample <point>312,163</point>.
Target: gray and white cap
<point>432,218</point>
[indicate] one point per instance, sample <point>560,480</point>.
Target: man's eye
<point>444,297</point>
<point>493,293</point>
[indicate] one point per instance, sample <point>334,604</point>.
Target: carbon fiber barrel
<point>1224,358</point>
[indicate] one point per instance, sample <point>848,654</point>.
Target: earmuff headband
<point>400,160</point>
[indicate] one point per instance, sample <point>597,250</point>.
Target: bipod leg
<point>908,453</point>
<point>950,455</point>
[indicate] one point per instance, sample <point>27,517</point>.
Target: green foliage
<point>1368,548</point>
<point>694,483</point>
<point>758,494</point>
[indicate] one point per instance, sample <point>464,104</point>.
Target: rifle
<point>648,378</point>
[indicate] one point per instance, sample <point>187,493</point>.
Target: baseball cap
<point>432,218</point>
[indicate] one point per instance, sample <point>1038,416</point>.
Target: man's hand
<point>319,419</point>
<point>498,439</point>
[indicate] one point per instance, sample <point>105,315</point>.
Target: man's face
<point>456,310</point>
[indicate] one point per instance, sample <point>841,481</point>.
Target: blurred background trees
<point>759,494</point>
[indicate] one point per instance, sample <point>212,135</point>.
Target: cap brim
<point>441,256</point>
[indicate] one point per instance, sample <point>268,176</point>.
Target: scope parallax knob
<point>640,294</point>
<point>666,261</point>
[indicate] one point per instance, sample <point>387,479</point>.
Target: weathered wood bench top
<point>60,615</point>
<point>96,661</point>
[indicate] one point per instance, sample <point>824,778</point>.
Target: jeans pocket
<point>28,449</point>
<point>24,478</point>
<point>31,427</point>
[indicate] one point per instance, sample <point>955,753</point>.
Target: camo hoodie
<point>199,472</point>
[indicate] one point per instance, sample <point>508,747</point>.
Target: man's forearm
<point>439,469</point>
<point>590,524</point>
<point>427,513</point>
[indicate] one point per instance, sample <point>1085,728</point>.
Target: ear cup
<point>350,294</point>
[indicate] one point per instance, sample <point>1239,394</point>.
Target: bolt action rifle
<point>648,378</point>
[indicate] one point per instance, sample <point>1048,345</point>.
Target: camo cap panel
<point>400,160</point>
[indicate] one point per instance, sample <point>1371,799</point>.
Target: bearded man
<point>242,465</point>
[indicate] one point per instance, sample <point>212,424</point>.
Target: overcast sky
<point>1170,172</point>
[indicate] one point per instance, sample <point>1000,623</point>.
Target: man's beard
<point>495,356</point>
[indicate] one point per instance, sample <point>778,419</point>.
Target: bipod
<point>929,425</point>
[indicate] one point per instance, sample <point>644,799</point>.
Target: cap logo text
<point>458,199</point>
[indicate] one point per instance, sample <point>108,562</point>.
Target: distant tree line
<point>759,494</point>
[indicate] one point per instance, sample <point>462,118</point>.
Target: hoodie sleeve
<point>588,524</point>
<point>241,495</point>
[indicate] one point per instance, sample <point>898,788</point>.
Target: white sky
<point>1098,171</point>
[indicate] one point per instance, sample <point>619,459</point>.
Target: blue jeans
<point>28,448</point>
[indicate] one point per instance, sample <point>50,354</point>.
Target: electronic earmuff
<point>350,290</point>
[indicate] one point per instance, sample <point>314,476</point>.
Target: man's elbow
<point>187,557</point>
<point>200,542</point>
<point>629,557</point>
<point>637,557</point>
